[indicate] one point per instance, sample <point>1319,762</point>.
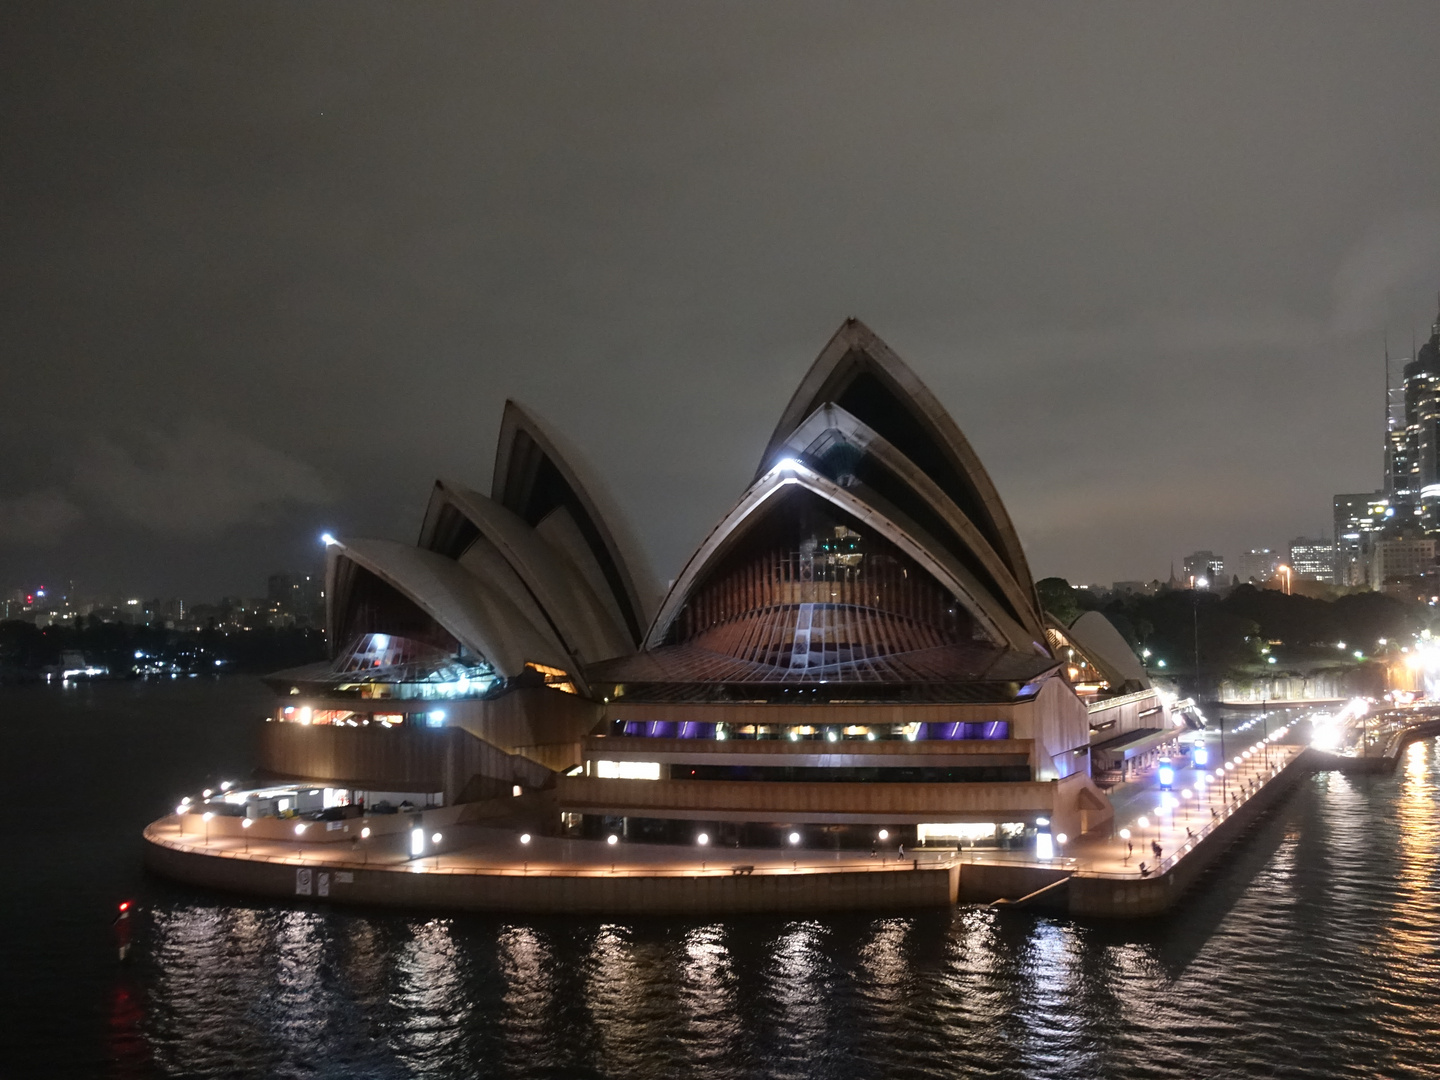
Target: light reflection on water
<point>1316,954</point>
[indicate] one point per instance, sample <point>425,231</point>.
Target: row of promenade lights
<point>1168,802</point>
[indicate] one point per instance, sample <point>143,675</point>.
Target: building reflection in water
<point>1047,1021</point>
<point>709,998</point>
<point>798,985</point>
<point>430,997</point>
<point>1414,967</point>
<point>615,996</point>
<point>529,1015</point>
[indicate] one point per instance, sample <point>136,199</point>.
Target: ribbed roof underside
<point>946,664</point>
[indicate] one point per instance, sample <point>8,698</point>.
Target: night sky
<point>271,268</point>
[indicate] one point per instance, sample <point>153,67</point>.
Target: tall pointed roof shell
<point>476,612</point>
<point>859,372</point>
<point>534,478</point>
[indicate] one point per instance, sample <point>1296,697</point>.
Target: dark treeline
<point>26,649</point>
<point>1236,627</point>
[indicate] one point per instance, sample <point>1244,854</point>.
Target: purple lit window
<point>983,729</point>
<point>668,729</point>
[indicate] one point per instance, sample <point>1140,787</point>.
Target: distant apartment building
<point>1135,588</point>
<point>1398,559</point>
<point>297,597</point>
<point>1359,521</point>
<point>1313,560</point>
<point>1257,565</point>
<point>1204,569</point>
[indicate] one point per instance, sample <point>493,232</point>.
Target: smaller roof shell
<point>477,613</point>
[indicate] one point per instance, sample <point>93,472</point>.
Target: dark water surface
<point>1316,953</point>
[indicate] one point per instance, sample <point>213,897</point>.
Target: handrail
<point>1227,810</point>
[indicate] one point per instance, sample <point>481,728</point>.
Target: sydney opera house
<point>854,654</point>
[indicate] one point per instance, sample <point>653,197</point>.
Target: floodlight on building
<point>365,833</point>
<point>328,539</point>
<point>300,828</point>
<point>245,823</point>
<point>612,839</point>
<point>794,838</point>
<point>703,839</point>
<point>516,791</point>
<point>435,838</point>
<point>884,834</point>
<point>524,837</point>
<point>1061,839</point>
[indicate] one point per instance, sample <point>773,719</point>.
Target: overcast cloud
<point>1146,254</point>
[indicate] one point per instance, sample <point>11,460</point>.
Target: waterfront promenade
<point>330,859</point>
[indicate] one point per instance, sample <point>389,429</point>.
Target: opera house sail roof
<point>870,555</point>
<point>871,551</point>
<point>862,615</point>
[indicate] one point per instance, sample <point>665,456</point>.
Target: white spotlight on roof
<point>789,464</point>
<point>327,539</point>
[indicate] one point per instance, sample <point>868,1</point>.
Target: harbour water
<point>1315,952</point>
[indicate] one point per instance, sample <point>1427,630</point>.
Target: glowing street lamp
<point>245,824</point>
<point>205,817</point>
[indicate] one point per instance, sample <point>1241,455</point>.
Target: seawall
<point>549,892</point>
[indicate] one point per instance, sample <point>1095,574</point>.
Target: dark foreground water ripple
<point>1315,953</point>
